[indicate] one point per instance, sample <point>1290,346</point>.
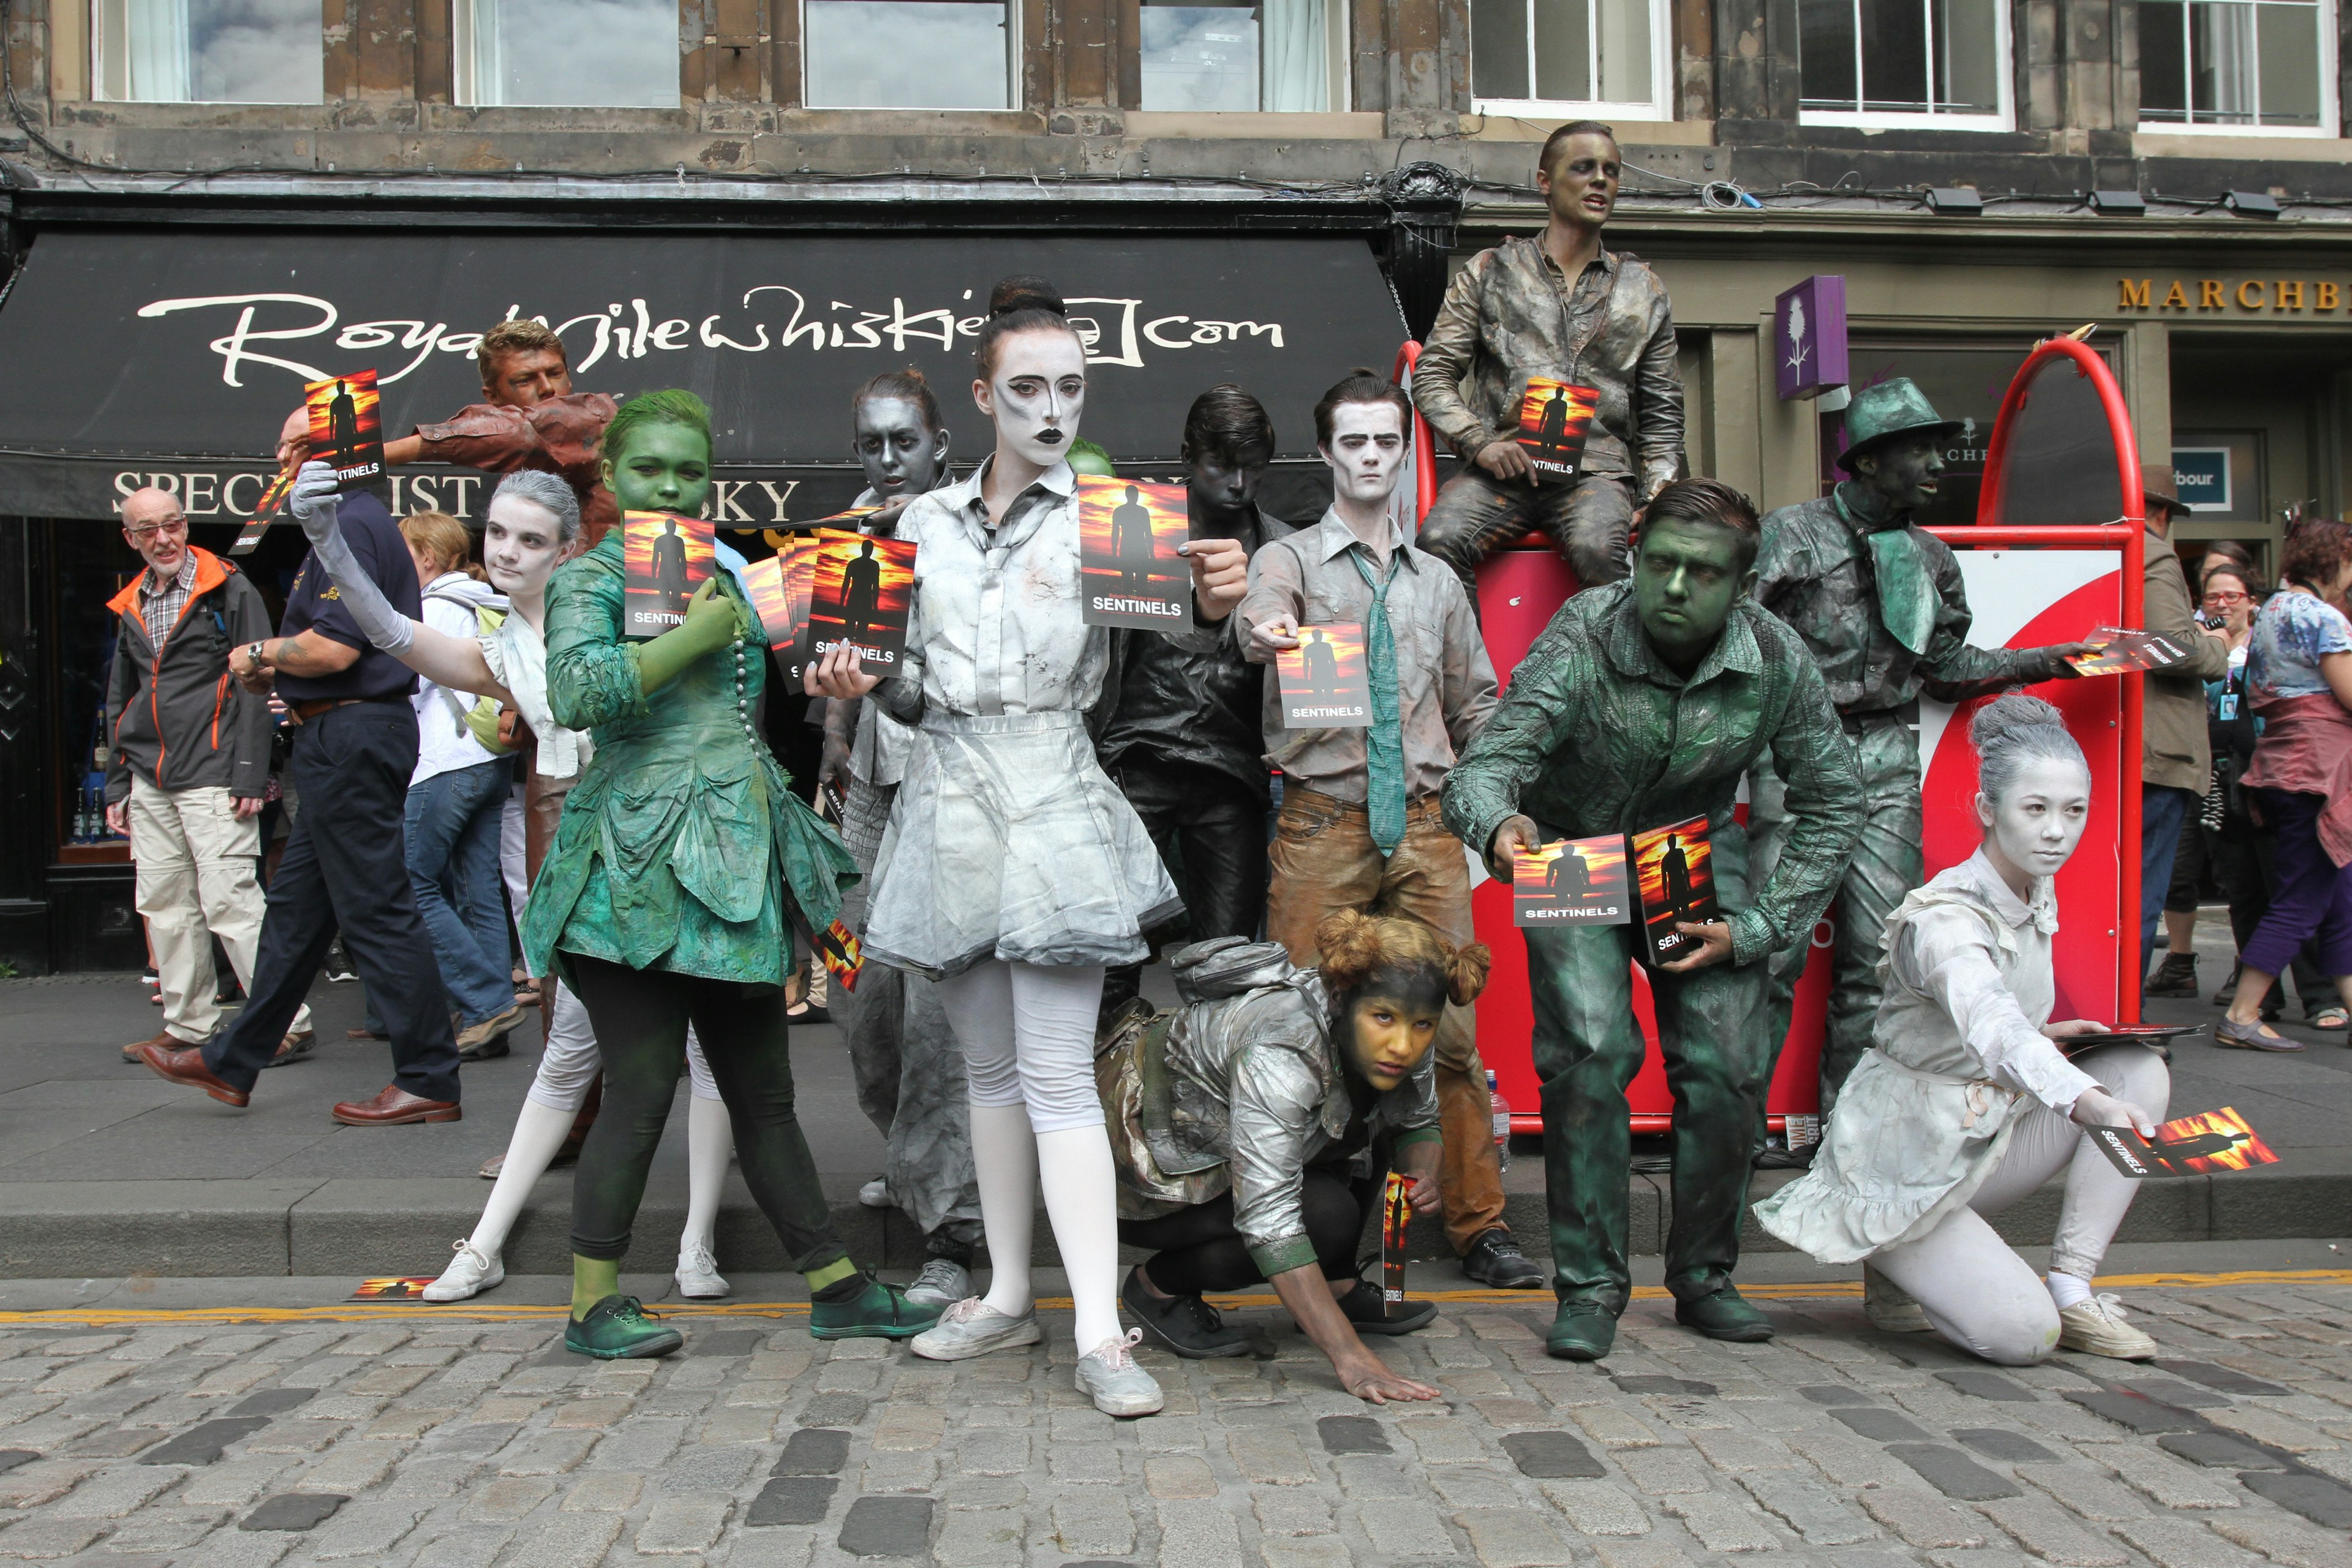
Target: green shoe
<point>1583,1330</point>
<point>1723,1315</point>
<point>618,1328</point>
<point>878,1312</point>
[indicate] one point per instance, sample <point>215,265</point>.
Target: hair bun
<point>2010,716</point>
<point>1025,291</point>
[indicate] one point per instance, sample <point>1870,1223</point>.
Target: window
<point>208,52</point>
<point>1541,56</point>
<point>1281,56</point>
<point>1897,62</point>
<point>567,54</point>
<point>907,54</point>
<point>2262,67</point>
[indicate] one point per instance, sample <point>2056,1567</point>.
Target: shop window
<point>1903,62</point>
<point>2236,66</point>
<point>1547,58</point>
<point>208,52</point>
<point>567,54</point>
<point>1281,56</point>
<point>907,54</point>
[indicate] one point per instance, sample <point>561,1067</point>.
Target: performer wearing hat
<point>1880,602</point>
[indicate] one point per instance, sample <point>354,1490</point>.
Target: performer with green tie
<point>1879,601</point>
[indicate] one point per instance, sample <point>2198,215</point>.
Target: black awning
<point>175,352</point>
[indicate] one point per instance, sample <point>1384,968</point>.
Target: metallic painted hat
<point>2156,482</point>
<point>1891,408</point>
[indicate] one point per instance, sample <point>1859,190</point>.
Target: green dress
<point>682,848</point>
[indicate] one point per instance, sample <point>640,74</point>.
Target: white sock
<point>1004,1161</point>
<point>539,1131</point>
<point>1082,1200</point>
<point>709,1144</point>
<point>2068,1290</point>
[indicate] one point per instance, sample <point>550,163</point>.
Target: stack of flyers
<point>1129,571</point>
<point>2118,650</point>
<point>1322,679</point>
<point>1396,1218</point>
<point>347,427</point>
<point>1555,417</point>
<point>794,559</point>
<point>665,558</point>
<point>1572,881</point>
<point>2204,1145</point>
<point>1676,868</point>
<point>265,512</point>
<point>765,581</point>
<point>858,590</point>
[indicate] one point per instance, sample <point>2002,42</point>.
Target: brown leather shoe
<point>395,1107</point>
<point>166,1040</point>
<point>186,1063</point>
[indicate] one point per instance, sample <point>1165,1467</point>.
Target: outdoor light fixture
<point>1953,202</point>
<point>2118,203</point>
<point>2252,203</point>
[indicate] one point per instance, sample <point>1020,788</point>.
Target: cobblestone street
<point>429,1440</point>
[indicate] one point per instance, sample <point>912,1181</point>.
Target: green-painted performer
<point>1879,601</point>
<point>1642,704</point>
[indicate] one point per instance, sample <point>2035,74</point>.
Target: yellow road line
<point>364,1311</point>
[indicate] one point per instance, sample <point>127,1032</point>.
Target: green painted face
<point>664,468</point>
<point>1687,579</point>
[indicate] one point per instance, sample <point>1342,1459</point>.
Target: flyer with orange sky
<point>2208,1143</point>
<point>665,558</point>
<point>1129,571</point>
<point>1322,679</point>
<point>1676,868</point>
<point>1572,881</point>
<point>1555,417</point>
<point>347,426</point>
<point>860,588</point>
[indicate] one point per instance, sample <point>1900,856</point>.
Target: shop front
<point>169,354</point>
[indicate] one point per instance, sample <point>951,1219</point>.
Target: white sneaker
<point>941,1283</point>
<point>875,1195</point>
<point>697,1274</point>
<point>1889,1307</point>
<point>971,1327</point>
<point>2096,1326</point>
<point>1118,1386</point>
<point>468,1275</point>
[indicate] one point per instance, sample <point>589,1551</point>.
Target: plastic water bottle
<point>1501,1110</point>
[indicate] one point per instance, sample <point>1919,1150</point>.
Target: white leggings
<point>1028,1036</point>
<point>571,1062</point>
<point>1980,1295</point>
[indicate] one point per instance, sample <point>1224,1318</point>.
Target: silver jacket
<point>1255,1083</point>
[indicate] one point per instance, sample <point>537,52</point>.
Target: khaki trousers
<point>197,881</point>
<point>1323,859</point>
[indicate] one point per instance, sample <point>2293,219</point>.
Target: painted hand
<point>312,501</point>
<point>2097,1107</point>
<point>1518,836</point>
<point>1220,575</point>
<point>1371,1379</point>
<point>1505,459</point>
<point>1714,941</point>
<point>840,673</point>
<point>1269,638</point>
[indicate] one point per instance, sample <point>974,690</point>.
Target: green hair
<point>674,407</point>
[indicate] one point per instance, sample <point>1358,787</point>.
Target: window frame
<point>2330,20</point>
<point>98,35</point>
<point>1658,107</point>
<point>2003,117</point>
<point>1016,53</point>
<point>465,85</point>
<point>1339,33</point>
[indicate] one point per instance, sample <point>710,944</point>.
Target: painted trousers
<point>1587,519</point>
<point>1589,1046</point>
<point>1887,865</point>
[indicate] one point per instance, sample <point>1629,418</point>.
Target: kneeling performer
<point>1247,1122</point>
<point>1964,1105</point>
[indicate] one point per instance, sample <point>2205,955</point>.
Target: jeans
<point>2162,809</point>
<point>344,869</point>
<point>454,820</point>
<point>2313,900</point>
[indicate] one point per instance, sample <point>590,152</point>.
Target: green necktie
<point>1907,599</point>
<point>1384,745</point>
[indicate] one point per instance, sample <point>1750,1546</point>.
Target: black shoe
<point>338,967</point>
<point>1775,1155</point>
<point>2175,976</point>
<point>1184,1324</point>
<point>1365,1308</point>
<point>1495,1260</point>
<point>1581,1331</point>
<point>1723,1315</point>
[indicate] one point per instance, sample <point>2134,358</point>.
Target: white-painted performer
<point>1964,1105</point>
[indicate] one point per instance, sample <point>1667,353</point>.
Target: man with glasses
<point>188,765</point>
<point>2176,757</point>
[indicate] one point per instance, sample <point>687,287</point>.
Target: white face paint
<point>2035,827</point>
<point>521,546</point>
<point>1036,395</point>
<point>1366,452</point>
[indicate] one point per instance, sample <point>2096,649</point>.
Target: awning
<point>170,356</point>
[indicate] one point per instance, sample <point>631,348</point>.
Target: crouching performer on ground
<point>1965,1104</point>
<point>1251,1127</point>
